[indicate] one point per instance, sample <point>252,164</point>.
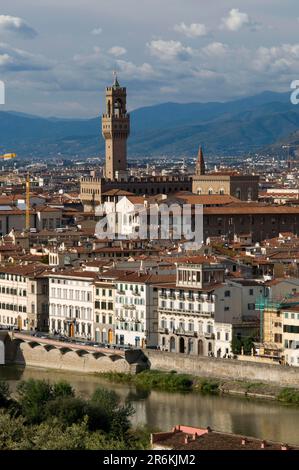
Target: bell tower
<point>115,129</point>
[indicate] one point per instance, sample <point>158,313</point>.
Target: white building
<point>71,303</point>
<point>198,308</point>
<point>24,297</point>
<point>136,314</point>
<point>290,335</point>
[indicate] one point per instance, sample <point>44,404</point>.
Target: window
<point>278,338</point>
<point>227,293</point>
<point>226,336</point>
<point>218,335</point>
<point>251,306</point>
<point>250,291</point>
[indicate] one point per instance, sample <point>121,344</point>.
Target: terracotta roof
<point>250,209</point>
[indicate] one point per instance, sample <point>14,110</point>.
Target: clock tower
<point>115,130</point>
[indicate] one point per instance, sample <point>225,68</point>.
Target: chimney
<point>263,444</point>
<point>243,442</point>
<point>209,429</point>
<point>284,447</point>
<point>186,439</point>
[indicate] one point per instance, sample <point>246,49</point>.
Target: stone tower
<point>115,130</point>
<point>200,168</point>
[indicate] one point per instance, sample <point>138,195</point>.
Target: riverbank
<point>184,383</point>
<point>158,409</point>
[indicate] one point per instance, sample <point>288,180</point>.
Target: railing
<point>163,331</point>
<point>188,312</point>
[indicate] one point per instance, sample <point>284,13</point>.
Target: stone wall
<point>227,369</point>
<point>22,353</point>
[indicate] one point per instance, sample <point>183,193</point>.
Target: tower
<point>115,129</point>
<point>200,167</point>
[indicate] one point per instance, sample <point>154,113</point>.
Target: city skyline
<point>195,52</point>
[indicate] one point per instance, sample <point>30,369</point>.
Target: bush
<point>209,386</point>
<point>289,395</point>
<point>68,410</point>
<point>164,381</point>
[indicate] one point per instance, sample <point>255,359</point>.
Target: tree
<point>63,389</point>
<point>106,412</point>
<point>33,395</point>
<point>4,394</point>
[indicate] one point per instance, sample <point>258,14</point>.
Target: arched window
<point>238,193</point>
<point>210,191</point>
<point>172,344</point>
<point>190,346</point>
<point>221,191</point>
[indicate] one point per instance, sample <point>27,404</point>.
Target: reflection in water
<point>161,410</point>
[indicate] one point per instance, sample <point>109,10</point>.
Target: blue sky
<point>56,57</point>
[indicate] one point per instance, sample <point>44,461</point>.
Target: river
<point>162,410</point>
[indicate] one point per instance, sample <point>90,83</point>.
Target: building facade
<point>104,305</point>
<point>71,304</point>
<point>24,297</point>
<point>197,312</point>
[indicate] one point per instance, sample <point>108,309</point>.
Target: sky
<point>57,56</point>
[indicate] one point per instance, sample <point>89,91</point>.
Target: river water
<point>162,410</point>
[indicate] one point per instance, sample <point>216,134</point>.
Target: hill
<point>231,128</point>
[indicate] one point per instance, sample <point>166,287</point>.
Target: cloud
<point>278,59</point>
<point>14,24</point>
<point>97,31</point>
<point>117,51</point>
<point>237,20</point>
<point>170,50</point>
<point>216,49</point>
<point>12,59</point>
<point>194,30</point>
<point>168,90</point>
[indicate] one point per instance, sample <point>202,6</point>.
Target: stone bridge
<point>25,349</point>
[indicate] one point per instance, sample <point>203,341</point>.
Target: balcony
<point>209,335</point>
<point>182,331</point>
<point>163,331</point>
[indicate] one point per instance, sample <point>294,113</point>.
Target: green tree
<point>63,389</point>
<point>67,410</point>
<point>33,396</point>
<point>4,394</point>
<point>106,412</point>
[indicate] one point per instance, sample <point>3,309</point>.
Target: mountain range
<point>170,129</point>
